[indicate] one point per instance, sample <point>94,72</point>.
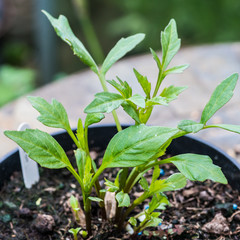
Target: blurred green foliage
<point>15,82</point>
<point>199,21</point>
<point>15,52</point>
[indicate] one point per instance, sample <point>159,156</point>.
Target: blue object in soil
<point>162,172</point>
<point>140,233</point>
<point>235,206</point>
<point>146,207</point>
<point>159,224</point>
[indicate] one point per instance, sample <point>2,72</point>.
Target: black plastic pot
<point>100,136</point>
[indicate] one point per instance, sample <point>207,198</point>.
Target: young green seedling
<point>75,206</point>
<point>74,232</point>
<point>136,149</point>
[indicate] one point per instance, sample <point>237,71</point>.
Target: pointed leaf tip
<point>122,47</point>
<point>221,95</point>
<point>64,31</point>
<point>170,43</point>
<point>40,147</point>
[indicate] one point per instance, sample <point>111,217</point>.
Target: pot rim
<point>215,151</point>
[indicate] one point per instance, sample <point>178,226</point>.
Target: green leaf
<point>177,69</point>
<point>111,186</point>
<point>87,172</point>
<point>52,115</point>
<point>172,92</point>
<point>131,111</point>
<point>144,184</point>
<point>221,95</point>
<point>190,126</point>
<point>170,43</point>
<point>118,87</point>
<point>122,47</point>
<point>80,156</point>
<point>74,203</point>
<point>228,127</point>
<point>158,200</point>
<point>156,58</point>
<point>80,133</point>
<point>144,114</point>
<point>104,102</point>
<point>133,221</point>
<point>64,31</point>
<point>156,173</point>
<point>93,118</point>
<point>122,87</point>
<point>74,231</point>
<point>138,100</point>
<point>128,89</point>
<point>40,147</point>
<point>198,168</point>
<point>116,181</point>
<point>145,84</point>
<point>157,101</point>
<point>95,199</point>
<point>123,199</point>
<point>153,222</point>
<point>136,145</point>
<point>174,182</point>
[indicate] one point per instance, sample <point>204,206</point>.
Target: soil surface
<point>199,211</point>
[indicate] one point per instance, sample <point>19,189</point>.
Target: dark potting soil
<point>199,211</point>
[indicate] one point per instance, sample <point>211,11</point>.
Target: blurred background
<point>31,55</point>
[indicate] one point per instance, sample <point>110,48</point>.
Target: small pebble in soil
<point>140,233</point>
<point>235,206</point>
<point>162,172</point>
<point>175,221</point>
<point>24,212</point>
<point>217,225</point>
<point>44,223</point>
<point>146,207</point>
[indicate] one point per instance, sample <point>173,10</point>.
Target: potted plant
<point>134,154</point>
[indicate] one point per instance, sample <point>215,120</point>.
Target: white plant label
<point>29,167</point>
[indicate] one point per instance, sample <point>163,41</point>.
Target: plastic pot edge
<point>186,144</point>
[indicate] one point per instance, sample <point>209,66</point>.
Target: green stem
<point>122,184</point>
<point>149,166</point>
<point>87,208</point>
<point>77,216</point>
<point>118,213</point>
<point>159,81</point>
<point>131,179</point>
<point>123,178</point>
<point>134,204</point>
<point>72,135</point>
<point>119,128</point>
<point>102,196</point>
<point>86,140</point>
<point>96,175</point>
<point>89,32</point>
<point>105,89</point>
<point>103,81</point>
<point>75,237</point>
<point>97,185</point>
<point>74,173</point>
<point>141,225</point>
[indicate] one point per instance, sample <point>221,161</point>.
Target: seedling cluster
<point>136,149</point>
